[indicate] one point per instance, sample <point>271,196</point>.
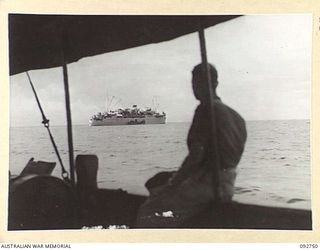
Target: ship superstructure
<point>128,116</point>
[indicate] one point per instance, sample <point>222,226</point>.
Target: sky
<point>263,63</point>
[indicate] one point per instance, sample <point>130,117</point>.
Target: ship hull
<point>114,121</point>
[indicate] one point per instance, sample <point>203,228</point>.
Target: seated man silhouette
<point>186,192</point>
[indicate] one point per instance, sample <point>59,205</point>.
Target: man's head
<point>199,82</point>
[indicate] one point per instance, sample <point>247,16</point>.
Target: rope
<point>45,122</point>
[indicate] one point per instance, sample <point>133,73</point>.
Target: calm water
<point>274,170</point>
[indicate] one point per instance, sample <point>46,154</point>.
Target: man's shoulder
<point>226,111</point>
<point>221,110</point>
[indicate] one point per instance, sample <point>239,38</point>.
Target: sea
<point>274,170</point>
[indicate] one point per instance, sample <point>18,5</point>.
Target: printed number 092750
<point>309,246</point>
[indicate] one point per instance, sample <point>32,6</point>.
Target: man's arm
<point>190,164</point>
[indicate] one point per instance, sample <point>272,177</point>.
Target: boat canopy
<point>46,41</point>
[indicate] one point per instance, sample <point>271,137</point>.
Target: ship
<point>128,116</point>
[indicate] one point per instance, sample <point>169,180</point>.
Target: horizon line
<point>86,124</point>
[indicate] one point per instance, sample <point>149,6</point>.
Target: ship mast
<point>155,103</point>
<point>107,100</point>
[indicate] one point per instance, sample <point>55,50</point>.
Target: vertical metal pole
<point>214,143</point>
<point>69,121</point>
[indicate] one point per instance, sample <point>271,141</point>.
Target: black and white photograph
<point>159,121</point>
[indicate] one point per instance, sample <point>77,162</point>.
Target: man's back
<point>231,133</point>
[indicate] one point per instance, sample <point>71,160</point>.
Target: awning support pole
<point>69,122</point>
<point>214,152</point>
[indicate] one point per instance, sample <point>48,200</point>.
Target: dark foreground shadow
<point>107,208</point>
